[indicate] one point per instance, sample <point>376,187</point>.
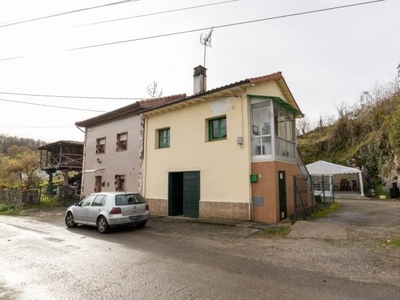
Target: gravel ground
<point>354,242</point>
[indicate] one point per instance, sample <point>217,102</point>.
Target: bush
<point>4,208</point>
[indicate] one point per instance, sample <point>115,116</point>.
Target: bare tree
<point>303,126</point>
<point>152,90</point>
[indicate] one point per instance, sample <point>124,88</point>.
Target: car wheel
<point>69,220</point>
<point>141,224</point>
<point>102,225</point>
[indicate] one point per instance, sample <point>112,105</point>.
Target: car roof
<point>114,193</point>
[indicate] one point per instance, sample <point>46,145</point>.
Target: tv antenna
<point>205,39</point>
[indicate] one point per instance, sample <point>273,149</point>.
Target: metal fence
<point>17,198</point>
<point>46,199</point>
<point>303,199</point>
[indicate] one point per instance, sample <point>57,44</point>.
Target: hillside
<point>8,141</point>
<point>366,135</point>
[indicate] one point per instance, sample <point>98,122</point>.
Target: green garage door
<point>191,194</point>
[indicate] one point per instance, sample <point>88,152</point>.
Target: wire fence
<point>35,197</point>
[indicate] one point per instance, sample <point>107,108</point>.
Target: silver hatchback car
<point>109,209</point>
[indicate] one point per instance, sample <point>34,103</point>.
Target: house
<point>63,156</point>
<point>112,148</point>
<point>225,153</point>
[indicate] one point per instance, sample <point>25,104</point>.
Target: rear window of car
<point>129,199</point>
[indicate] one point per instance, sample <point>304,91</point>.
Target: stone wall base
<point>208,209</point>
<point>224,210</point>
<point>158,206</point>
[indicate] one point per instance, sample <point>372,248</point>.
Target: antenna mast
<point>205,39</point>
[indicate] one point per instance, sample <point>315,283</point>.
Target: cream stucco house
<point>112,148</point>
<point>226,153</point>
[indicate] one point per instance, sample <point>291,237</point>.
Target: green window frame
<point>164,138</point>
<point>217,129</point>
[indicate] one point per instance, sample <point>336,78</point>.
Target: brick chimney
<point>200,80</point>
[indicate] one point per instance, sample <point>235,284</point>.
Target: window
<point>164,138</point>
<point>100,200</point>
<point>122,141</point>
<point>120,183</point>
<point>217,129</point>
<point>87,200</point>
<point>272,129</point>
<point>101,145</point>
<point>261,127</point>
<point>129,199</point>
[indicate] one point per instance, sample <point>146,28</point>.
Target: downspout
<point>144,155</point>
<point>241,146</point>
<point>83,160</point>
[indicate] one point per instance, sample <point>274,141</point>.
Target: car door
<point>81,210</point>
<point>95,208</point>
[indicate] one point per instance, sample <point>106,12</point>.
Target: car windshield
<point>129,199</point>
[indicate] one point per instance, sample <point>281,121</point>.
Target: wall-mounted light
<point>99,161</point>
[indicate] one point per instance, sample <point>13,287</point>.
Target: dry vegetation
<point>366,135</point>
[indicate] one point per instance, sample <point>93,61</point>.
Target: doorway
<point>282,195</point>
<point>97,184</point>
<point>184,194</point>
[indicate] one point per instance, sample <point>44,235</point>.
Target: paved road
<point>174,259</point>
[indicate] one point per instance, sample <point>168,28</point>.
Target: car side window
<point>99,201</point>
<point>87,200</point>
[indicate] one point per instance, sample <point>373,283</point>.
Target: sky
<point>74,65</point>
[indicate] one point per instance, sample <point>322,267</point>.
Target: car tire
<point>69,220</point>
<point>141,224</point>
<point>102,225</point>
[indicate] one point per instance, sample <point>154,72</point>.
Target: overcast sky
<point>327,58</point>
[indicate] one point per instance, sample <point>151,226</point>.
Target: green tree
<point>20,167</point>
<point>370,158</point>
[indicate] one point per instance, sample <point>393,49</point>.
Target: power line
<point>37,126</point>
<point>73,97</point>
<point>158,13</point>
<point>66,13</point>
<point>11,58</point>
<point>228,25</point>
<point>53,106</point>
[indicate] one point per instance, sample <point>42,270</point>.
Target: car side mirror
<point>77,203</point>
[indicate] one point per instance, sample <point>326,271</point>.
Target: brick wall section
<point>268,188</point>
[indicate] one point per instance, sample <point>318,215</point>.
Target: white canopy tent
<point>337,174</point>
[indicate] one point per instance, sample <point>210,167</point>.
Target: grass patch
<point>281,231</point>
<point>331,208</point>
<point>6,210</point>
<point>395,242</point>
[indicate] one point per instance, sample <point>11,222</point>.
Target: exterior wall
<point>269,88</point>
<point>125,162</point>
<point>158,206</point>
<point>268,188</point>
<point>224,164</point>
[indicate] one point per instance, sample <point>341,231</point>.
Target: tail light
<point>115,211</point>
<point>147,207</point>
